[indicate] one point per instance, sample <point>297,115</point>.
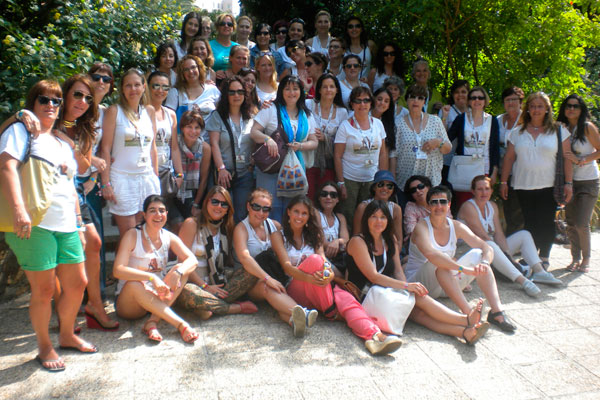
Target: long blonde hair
<point>273,77</point>
<point>131,114</point>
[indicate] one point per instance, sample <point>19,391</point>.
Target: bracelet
<point>203,285</point>
<point>151,278</point>
<point>441,145</point>
<point>178,272</point>
<point>105,185</point>
<point>266,278</point>
<point>486,262</point>
<point>406,285</point>
<point>342,183</point>
<point>94,180</point>
<point>569,183</point>
<point>195,205</point>
<point>179,175</point>
<point>267,139</point>
<point>460,269</point>
<point>222,167</point>
<point>503,183</point>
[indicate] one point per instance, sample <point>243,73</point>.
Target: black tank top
<point>356,276</point>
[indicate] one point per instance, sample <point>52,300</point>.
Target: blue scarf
<point>301,132</point>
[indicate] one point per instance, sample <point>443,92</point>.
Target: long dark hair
<point>312,233</point>
<point>189,16</point>
<point>397,67</point>
<point>584,116</point>
<point>337,100</point>
<point>86,124</point>
<point>388,233</point>
<point>364,38</point>
<point>293,80</point>
<point>227,226</point>
<point>223,104</point>
<point>252,96</point>
<point>388,119</point>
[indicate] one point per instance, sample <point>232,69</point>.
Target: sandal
<point>152,331</point>
<point>546,265</point>
<point>506,325</point>
<point>59,364</point>
<point>573,266</point>
<point>188,335</point>
<point>480,329</point>
<point>478,309</point>
<point>583,268</point>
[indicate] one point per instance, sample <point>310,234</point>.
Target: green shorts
<point>46,249</point>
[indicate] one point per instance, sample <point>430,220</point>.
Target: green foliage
<point>56,39</point>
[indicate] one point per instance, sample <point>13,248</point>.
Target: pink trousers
<point>322,298</point>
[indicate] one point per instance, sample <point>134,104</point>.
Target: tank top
<point>331,232</point>
<point>416,259</point>
<point>97,139</point>
<point>163,139</point>
<point>132,144</point>
<point>589,170</point>
<point>487,221</point>
<point>379,79</point>
<point>155,261</point>
<point>296,255</point>
<point>390,205</point>
<point>365,58</point>
<point>264,96</point>
<point>255,244</point>
<point>384,264</point>
<point>318,46</point>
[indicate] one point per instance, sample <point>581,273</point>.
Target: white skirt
<point>131,190</point>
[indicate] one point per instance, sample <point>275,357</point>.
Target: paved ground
<point>554,354</point>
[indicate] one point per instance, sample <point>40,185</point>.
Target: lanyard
<point>418,136</point>
<point>367,134</point>
<point>324,127</point>
<point>160,260</point>
<point>509,131</point>
<point>242,130</point>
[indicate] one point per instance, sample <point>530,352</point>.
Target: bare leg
<point>422,318</point>
<point>452,289</point>
<point>439,312</point>
<point>487,284</point>
<point>281,302</point>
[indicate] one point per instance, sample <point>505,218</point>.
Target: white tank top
<point>390,205</point>
<point>416,259</point>
<point>378,81</point>
<point>163,139</point>
<point>295,255</point>
<point>131,144</point>
<point>264,96</point>
<point>589,170</point>
<point>331,232</point>
<point>487,220</point>
<point>155,261</point>
<point>365,59</point>
<point>318,46</point>
<point>255,244</point>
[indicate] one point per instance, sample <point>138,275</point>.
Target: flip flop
<point>47,367</point>
<point>83,347</point>
<point>480,329</point>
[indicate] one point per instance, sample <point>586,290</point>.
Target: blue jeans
<point>240,188</point>
<point>269,182</point>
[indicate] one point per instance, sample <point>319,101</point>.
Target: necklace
<point>69,124</point>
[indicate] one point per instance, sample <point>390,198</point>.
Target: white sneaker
<point>378,347</point>
<point>298,320</point>
<point>311,317</point>
<point>546,278</point>
<point>530,288</point>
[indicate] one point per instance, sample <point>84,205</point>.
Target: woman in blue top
<point>222,44</point>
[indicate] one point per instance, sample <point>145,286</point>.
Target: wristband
<point>151,278</point>
<point>105,185</point>
<point>441,145</point>
<point>222,167</point>
<point>178,272</point>
<point>203,285</point>
<point>94,180</point>
<point>406,285</point>
<point>460,269</point>
<point>341,183</point>
<point>179,175</point>
<point>266,278</point>
<point>569,183</point>
<point>486,262</point>
<point>503,183</point>
<point>267,139</point>
<point>195,205</point>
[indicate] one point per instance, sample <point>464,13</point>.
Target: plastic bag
<point>292,179</point>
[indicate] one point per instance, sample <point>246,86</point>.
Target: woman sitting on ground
<point>375,260</point>
<point>335,228</point>
<point>145,284</point>
<point>300,253</point>
<point>215,285</point>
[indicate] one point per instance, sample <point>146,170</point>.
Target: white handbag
<point>389,308</point>
<point>462,171</point>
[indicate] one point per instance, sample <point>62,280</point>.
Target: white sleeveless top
<point>589,170</point>
<point>416,259</point>
<point>163,139</point>
<point>318,46</point>
<point>132,144</point>
<point>264,96</point>
<point>154,261</point>
<point>487,220</point>
<point>331,232</point>
<point>365,58</point>
<point>378,81</point>
<point>295,255</point>
<point>390,205</point>
<point>255,244</point>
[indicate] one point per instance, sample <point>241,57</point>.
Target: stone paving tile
<point>347,389</point>
<point>520,349</point>
<point>573,342</point>
<point>262,392</point>
<point>416,385</point>
<point>542,319</point>
<point>587,316</point>
<point>559,377</point>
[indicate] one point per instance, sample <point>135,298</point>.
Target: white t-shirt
<point>535,164</point>
<point>264,96</point>
<point>347,89</point>
<point>205,103</point>
<point>61,215</point>
<point>360,160</point>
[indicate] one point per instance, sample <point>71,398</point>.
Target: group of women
<point>177,150</point>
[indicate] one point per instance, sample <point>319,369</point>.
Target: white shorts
<point>426,274</point>
<point>131,190</point>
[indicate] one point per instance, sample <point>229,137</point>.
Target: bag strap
<point>280,125</point>
<point>231,141</point>
<point>559,161</point>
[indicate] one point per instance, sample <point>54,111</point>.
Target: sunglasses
<point>240,92</point>
<point>55,101</point>
<point>414,189</point>
<point>157,86</point>
<point>413,97</point>
<point>325,193</point>
<point>389,186</point>
<point>361,101</point>
<point>282,32</point>
<point>263,33</point>
<point>477,98</point>
<point>308,64</point>
<point>87,98</point>
<point>389,53</point>
<point>104,78</point>
<point>572,106</point>
<point>229,24</point>
<point>354,26</point>
<point>216,202</point>
<point>349,66</point>
<point>438,202</point>
<point>257,207</point>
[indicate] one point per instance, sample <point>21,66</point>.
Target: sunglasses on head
<point>229,24</point>
<point>282,32</point>
<point>412,96</point>
<point>87,98</point>
<point>55,101</point>
<point>389,185</point>
<point>157,86</point>
<point>217,202</point>
<point>258,207</point>
<point>240,92</point>
<point>477,98</point>
<point>354,26</point>
<point>389,53</point>
<point>440,202</point>
<point>362,101</point>
<point>573,106</point>
<point>325,193</point>
<point>414,189</point>
<point>104,78</point>
<point>349,66</point>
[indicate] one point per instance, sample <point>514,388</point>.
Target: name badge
<point>421,155</point>
<point>241,158</point>
<point>142,161</point>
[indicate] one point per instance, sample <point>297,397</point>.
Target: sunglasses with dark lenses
<point>414,189</point>
<point>477,98</point>
<point>282,32</point>
<point>353,26</point>
<point>326,193</point>
<point>55,101</point>
<point>263,33</point>
<point>88,98</point>
<point>240,92</point>
<point>217,202</point>
<point>438,202</point>
<point>104,78</point>
<point>361,101</point>
<point>575,106</point>
<point>412,96</point>
<point>308,64</point>
<point>389,186</point>
<point>229,24</point>
<point>257,207</point>
<point>157,86</point>
<point>389,53</point>
<point>349,66</point>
